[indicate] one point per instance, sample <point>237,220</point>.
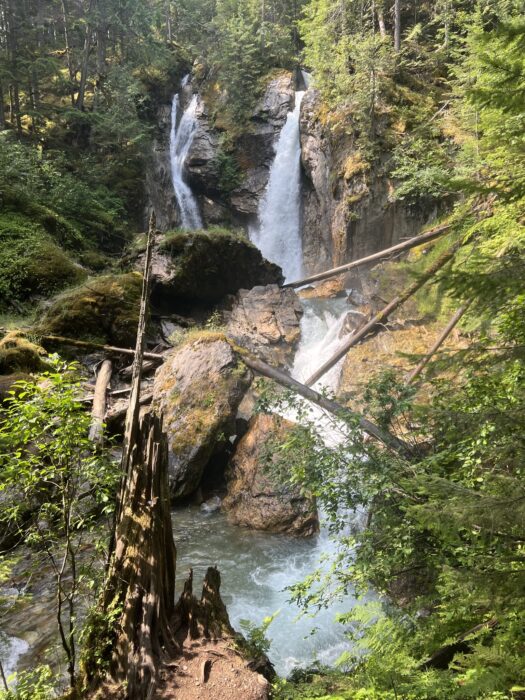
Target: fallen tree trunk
<point>382,254</point>
<point>386,438</point>
<point>382,316</point>
<point>62,340</point>
<point>439,342</point>
<point>98,411</point>
<point>442,658</point>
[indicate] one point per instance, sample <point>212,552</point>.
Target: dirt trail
<point>210,670</point>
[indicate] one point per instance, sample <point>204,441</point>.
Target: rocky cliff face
<point>253,150</point>
<point>349,210</point>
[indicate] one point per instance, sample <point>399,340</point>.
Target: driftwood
<point>114,415</point>
<point>381,317</point>
<point>439,342</point>
<point>110,349</point>
<point>381,255</point>
<point>389,440</point>
<point>96,431</point>
<point>147,366</point>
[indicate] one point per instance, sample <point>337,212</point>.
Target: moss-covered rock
<point>205,266</point>
<point>31,263</point>
<point>18,353</point>
<point>103,309</point>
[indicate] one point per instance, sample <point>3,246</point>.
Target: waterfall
<point>278,234</point>
<point>181,138</point>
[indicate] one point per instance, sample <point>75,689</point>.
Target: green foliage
<point>256,641</point>
<point>38,684</point>
<point>55,486</point>
<point>31,263</point>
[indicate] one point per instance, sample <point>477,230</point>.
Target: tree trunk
<point>85,60</point>
<point>2,108</point>
<point>439,342</point>
<point>381,317</point>
<point>381,20</point>
<point>96,432</point>
<point>397,25</point>
<point>69,55</point>
<point>426,237</point>
<point>336,409</point>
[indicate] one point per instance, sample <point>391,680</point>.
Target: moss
<point>104,309</point>
<point>31,263</point>
<point>18,353</point>
<point>208,265</point>
<point>8,383</point>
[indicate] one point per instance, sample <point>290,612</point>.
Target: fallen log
<point>115,415</point>
<point>98,411</point>
<point>111,349</point>
<point>382,254</point>
<point>439,342</point>
<point>442,658</point>
<point>386,438</point>
<point>382,316</point>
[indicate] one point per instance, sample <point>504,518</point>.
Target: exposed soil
<point>211,670</point>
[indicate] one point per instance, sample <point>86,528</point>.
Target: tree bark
<point>439,342</point>
<point>2,108</point>
<point>62,340</point>
<point>382,316</point>
<point>389,440</point>
<point>382,254</point>
<point>98,411</point>
<point>85,60</point>
<point>397,25</point>
<point>69,56</point>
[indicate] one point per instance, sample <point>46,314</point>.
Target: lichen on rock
<point>197,391</point>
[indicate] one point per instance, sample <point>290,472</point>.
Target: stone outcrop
<point>255,147</point>
<point>205,266</point>
<point>349,210</point>
<point>253,150</point>
<point>257,496</point>
<point>266,321</point>
<point>197,391</point>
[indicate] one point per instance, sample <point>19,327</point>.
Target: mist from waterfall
<point>278,233</point>
<point>181,138</point>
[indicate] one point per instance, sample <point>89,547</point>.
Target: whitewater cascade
<point>181,138</point>
<point>278,233</point>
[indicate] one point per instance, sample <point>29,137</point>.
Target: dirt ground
<point>211,670</point>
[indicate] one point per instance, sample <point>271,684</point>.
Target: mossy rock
<point>205,266</point>
<point>18,353</point>
<point>31,263</point>
<point>103,309</point>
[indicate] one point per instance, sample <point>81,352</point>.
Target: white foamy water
<point>181,138</point>
<point>278,231</point>
<point>256,567</point>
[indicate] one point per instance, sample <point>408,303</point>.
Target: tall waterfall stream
<point>256,567</point>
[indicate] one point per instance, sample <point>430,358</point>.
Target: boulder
<point>205,266</point>
<point>104,309</point>
<point>197,391</point>
<point>266,321</point>
<point>257,497</point>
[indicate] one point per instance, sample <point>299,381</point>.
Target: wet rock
<point>197,391</point>
<point>256,146</point>
<point>266,320</point>
<point>257,496</point>
<point>205,266</point>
